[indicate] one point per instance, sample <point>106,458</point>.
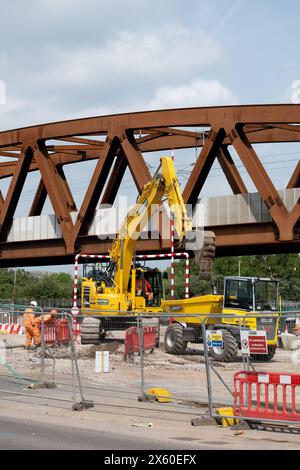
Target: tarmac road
<point>17,435</point>
<point>24,431</point>
<point>33,420</point>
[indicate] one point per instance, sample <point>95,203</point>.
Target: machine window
<point>238,294</point>
<point>265,296</point>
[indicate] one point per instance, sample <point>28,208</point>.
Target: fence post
<point>42,348</point>
<point>84,404</point>
<point>207,367</point>
<point>141,348</point>
<point>246,360</point>
<point>42,383</point>
<point>70,326</point>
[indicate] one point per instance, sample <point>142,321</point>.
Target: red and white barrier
<point>76,266</point>
<point>76,329</point>
<point>267,395</point>
<point>171,255</point>
<point>10,329</point>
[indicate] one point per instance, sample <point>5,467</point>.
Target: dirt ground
<point>184,376</point>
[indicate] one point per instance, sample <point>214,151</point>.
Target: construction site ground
<point>117,411</point>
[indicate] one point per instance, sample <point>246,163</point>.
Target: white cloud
<point>171,54</point>
<point>129,71</point>
<point>198,92</point>
<point>21,112</point>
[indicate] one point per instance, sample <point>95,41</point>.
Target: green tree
<point>284,267</point>
<point>35,285</point>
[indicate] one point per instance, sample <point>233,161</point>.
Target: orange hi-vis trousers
<point>32,333</point>
<point>32,327</point>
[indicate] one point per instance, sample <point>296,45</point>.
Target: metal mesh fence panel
<point>182,374</point>
<point>130,354</point>
<point>100,348</point>
<point>260,383</point>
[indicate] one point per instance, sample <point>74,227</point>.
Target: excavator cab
<point>98,273</point>
<point>244,295</point>
<point>251,294</point>
<point>94,270</point>
<point>149,285</point>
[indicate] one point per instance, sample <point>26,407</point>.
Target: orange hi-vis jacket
<point>31,320</point>
<point>32,326</point>
<point>38,320</point>
<point>31,329</point>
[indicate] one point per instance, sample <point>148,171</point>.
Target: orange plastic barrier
<point>50,333</point>
<point>132,342</point>
<point>270,396</point>
<point>56,332</point>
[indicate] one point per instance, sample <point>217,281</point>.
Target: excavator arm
<point>204,241</point>
<point>164,183</point>
<point>123,247</point>
<point>183,224</point>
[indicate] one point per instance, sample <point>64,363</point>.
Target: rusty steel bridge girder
<point>118,142</point>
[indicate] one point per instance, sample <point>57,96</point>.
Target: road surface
<point>15,434</point>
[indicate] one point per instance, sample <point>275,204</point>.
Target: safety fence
<point>119,354</point>
<point>262,382</point>
<point>30,359</point>
<point>250,363</point>
<point>138,361</point>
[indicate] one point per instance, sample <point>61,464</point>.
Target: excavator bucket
<point>204,257</point>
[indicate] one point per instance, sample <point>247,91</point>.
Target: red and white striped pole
<point>171,255</point>
<point>172,221</point>
<point>175,255</point>
<point>187,277</point>
<point>75,282</point>
<point>76,266</point>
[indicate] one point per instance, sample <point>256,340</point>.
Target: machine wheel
<point>265,357</point>
<point>174,343</point>
<point>90,330</point>
<point>230,350</point>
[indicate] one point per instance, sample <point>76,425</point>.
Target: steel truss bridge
<point>118,142</point>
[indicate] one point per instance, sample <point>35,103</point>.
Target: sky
<point>63,59</point>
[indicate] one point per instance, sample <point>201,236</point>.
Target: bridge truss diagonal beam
<point>39,200</point>
<point>95,188</point>
<point>56,193</point>
<point>14,192</point>
<point>230,170</point>
<point>115,179</point>
<point>135,160</point>
<point>263,183</point>
<point>203,165</point>
<point>119,142</point>
<point>295,178</point>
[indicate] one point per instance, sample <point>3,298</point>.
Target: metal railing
<point>199,375</point>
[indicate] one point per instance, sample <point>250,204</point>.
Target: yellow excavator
<point>119,289</point>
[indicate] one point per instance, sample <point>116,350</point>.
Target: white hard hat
<point>33,303</point>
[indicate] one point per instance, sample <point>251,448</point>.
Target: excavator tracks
<point>204,257</point>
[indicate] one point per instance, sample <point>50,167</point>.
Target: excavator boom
<point>163,184</point>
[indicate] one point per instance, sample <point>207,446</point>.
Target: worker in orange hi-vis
<point>46,318</point>
<point>31,329</point>
<point>32,326</point>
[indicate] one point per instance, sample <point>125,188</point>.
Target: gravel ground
<point>184,376</point>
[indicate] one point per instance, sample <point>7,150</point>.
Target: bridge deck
<point>241,222</point>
